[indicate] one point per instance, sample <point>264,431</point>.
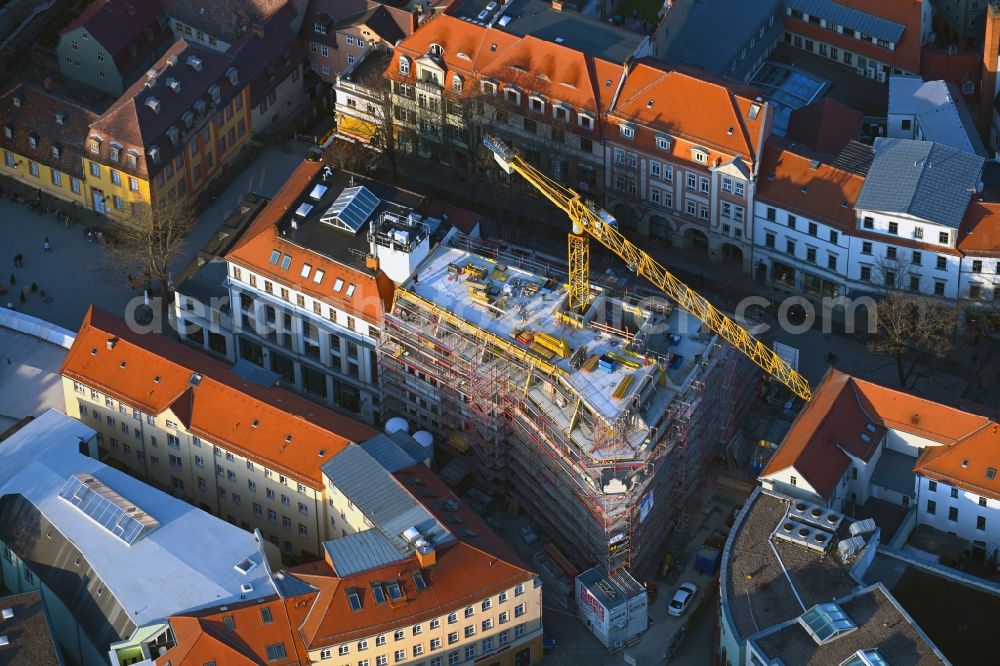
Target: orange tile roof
<point>693,106</point>
<point>906,55</point>
<point>203,636</point>
<point>827,188</point>
<point>155,377</point>
<point>462,575</point>
<point>373,292</point>
<point>843,405</point>
<point>980,231</point>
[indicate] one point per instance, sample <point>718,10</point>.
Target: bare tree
<point>909,327</point>
<point>894,274</point>
<point>387,104</point>
<point>148,243</point>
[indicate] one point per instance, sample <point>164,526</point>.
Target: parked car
<point>682,599</point>
<point>528,535</point>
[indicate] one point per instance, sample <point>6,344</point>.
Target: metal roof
<point>863,22</point>
<point>361,551</point>
<point>939,109</point>
<point>186,563</point>
<point>388,453</point>
<point>921,179</point>
<point>855,157</point>
<point>380,497</point>
<point>612,590</point>
<point>894,470</point>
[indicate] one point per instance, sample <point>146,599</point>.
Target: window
<point>941,264</point>
<point>868,222</point>
<point>793,480</point>
<point>982,501</point>
<point>943,237</point>
<point>811,254</point>
<point>894,228</point>
<point>703,185</point>
<point>790,246</point>
<point>932,486</point>
<point>470,652</point>
<point>519,610</point>
<point>33,168</point>
<point>470,631</point>
<point>931,507</point>
<point>939,288</point>
<point>977,266</point>
<point>435,643</point>
<point>452,618</point>
<point>991,472</point>
<point>866,247</point>
<point>626,131</point>
<point>980,522</point>
<point>452,638</point>
<point>276,652</point>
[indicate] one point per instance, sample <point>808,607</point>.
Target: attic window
<point>699,155</point>
<point>436,50</point>
<point>395,593</point>
<point>418,580</point>
<point>8,131</point>
<point>61,118</point>
<point>456,83</point>
<point>338,284</point>
<point>627,131</point>
<point>464,56</point>
<point>306,269</point>
<point>585,121</point>
<point>965,463</point>
<point>245,566</point>
<point>318,277</point>
<point>286,261</point>
<point>865,437</point>
<point>18,100</point>
<point>233,76</point>
<point>663,141</point>
<point>379,593</point>
<point>275,255</point>
<point>354,598</point>
<point>303,210</point>
<point>404,65</point>
<point>350,290</point>
<point>870,427</point>
<point>489,87</point>
<point>753,112</point>
<point>991,472</point>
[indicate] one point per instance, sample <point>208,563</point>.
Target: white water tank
<point>426,441</point>
<point>396,424</point>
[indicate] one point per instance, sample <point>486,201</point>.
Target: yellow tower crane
<point>590,221</point>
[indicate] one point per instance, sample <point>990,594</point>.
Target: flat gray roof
<point>939,109</point>
<point>863,22</point>
<point>187,562</point>
<point>361,551</point>
<point>612,590</point>
<point>894,470</point>
<point>921,179</point>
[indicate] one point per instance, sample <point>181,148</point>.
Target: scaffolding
<point>609,478</point>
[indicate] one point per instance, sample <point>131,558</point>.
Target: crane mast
<point>592,222</point>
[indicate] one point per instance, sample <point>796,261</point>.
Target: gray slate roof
<point>864,22</point>
<point>380,497</point>
<point>388,453</point>
<point>731,23</point>
<point>921,179</point>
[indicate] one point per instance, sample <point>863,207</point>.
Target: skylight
<point>317,192</point>
<point>318,277</point>
<point>286,261</point>
<point>826,622</point>
<point>107,508</point>
<point>354,599</point>
<point>379,593</point>
<point>418,580</point>
<point>245,566</point>
<point>303,210</point>
<point>275,255</point>
<point>866,658</point>
<point>870,427</point>
<point>395,593</point>
<point>338,284</point>
<point>351,209</point>
<point>305,270</point>
<point>350,290</point>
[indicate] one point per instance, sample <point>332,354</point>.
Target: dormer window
<point>56,150</point>
<point>489,88</point>
<point>199,107</point>
<point>436,50</point>
<point>663,142</point>
<point>60,118</point>
<point>32,139</point>
<point>215,93</point>
<point>319,28</point>
<point>627,131</point>
<point>115,151</point>
<point>456,83</point>
<point>699,155</point>
<point>404,65</point>
<point>8,131</point>
<point>133,158</point>
<point>18,100</point>
<point>512,95</point>
<point>188,119</point>
<point>95,145</point>
<point>173,133</point>
<point>536,103</point>
<point>233,76</point>
<point>586,121</point>
<point>154,154</point>
<point>560,112</point>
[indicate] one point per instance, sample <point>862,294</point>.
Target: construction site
<point>598,422</point>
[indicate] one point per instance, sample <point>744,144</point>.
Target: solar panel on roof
<point>351,209</point>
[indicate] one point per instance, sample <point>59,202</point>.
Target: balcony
<point>429,86</point>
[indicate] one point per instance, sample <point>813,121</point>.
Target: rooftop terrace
<point>628,357</point>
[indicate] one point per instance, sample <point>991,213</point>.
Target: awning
<point>356,128</point>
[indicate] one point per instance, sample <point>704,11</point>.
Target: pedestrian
<point>13,280</point>
<point>34,287</point>
<point>46,246</point>
<point>18,260</point>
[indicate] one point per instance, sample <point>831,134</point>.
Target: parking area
<point>691,635</point>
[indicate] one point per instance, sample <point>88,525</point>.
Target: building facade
<point>257,473</point>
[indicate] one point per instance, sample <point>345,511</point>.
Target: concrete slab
<point>29,377</point>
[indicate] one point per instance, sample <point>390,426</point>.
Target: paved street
<point>76,273</point>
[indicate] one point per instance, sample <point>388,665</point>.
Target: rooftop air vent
<point>8,613</point>
<point>804,535</point>
<point>194,62</point>
<point>60,117</point>
<point>171,61</point>
<point>174,84</point>
<point>813,514</point>
<point>153,103</point>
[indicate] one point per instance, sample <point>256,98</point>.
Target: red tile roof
<point>825,126</point>
<point>153,374</point>
<point>204,637</point>
<point>827,188</point>
<point>843,406</point>
<point>905,56</point>
<point>462,575</point>
<point>694,106</point>
<point>980,231</point>
<point>117,23</point>
<point>37,114</point>
<point>373,292</point>
<point>959,68</point>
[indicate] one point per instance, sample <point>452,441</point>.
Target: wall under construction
<point>599,425</point>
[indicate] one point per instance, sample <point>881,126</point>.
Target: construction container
<point>708,561</point>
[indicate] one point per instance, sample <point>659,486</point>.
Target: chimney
<point>426,556</point>
<point>371,263</point>
<point>988,88</point>
<point>414,20</point>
